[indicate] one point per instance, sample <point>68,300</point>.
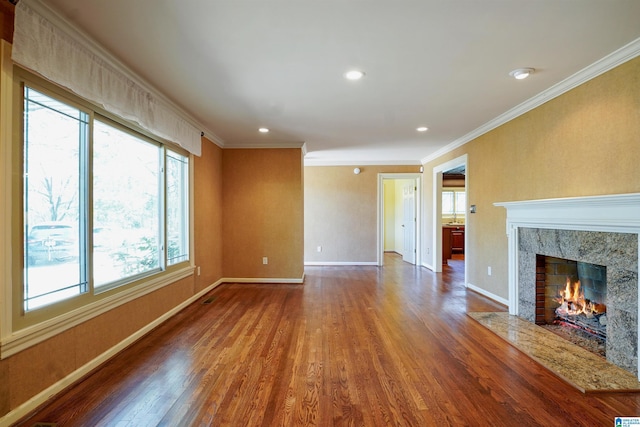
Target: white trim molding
<point>340,263</point>
<point>417,177</point>
<point>335,162</point>
<point>265,280</point>
<point>436,258</point>
<point>488,294</point>
<point>6,170</point>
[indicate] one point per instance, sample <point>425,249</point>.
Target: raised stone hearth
<point>600,230</point>
<point>580,368</point>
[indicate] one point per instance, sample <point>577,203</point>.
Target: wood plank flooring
<point>354,346</point>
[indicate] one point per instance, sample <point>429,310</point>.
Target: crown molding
<point>619,57</point>
<point>267,144</point>
<point>328,162</point>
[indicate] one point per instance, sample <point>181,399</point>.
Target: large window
<point>103,205</point>
<point>177,208</point>
<point>126,205</point>
<point>55,199</point>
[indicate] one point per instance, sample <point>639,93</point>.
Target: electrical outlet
<point>489,271</point>
<point>265,260</point>
<point>319,248</point>
<point>198,270</point>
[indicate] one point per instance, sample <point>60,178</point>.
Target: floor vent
<point>209,300</point>
<point>45,425</point>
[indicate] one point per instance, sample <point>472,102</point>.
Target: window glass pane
<point>447,202</point>
<point>55,140</point>
<point>461,202</point>
<point>126,205</point>
<point>177,208</point>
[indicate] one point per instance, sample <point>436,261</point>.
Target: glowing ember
<point>572,302</point>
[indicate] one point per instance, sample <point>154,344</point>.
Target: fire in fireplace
<point>581,312</point>
<point>571,301</point>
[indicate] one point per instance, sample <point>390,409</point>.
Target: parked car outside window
<point>52,242</point>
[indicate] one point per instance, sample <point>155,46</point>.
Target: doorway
<point>398,215</point>
<point>455,217</point>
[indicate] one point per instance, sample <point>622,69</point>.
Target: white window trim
<point>6,129</point>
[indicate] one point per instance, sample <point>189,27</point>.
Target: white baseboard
<point>274,280</point>
<point>429,266</point>
<point>488,294</point>
<point>39,399</point>
<point>339,263</point>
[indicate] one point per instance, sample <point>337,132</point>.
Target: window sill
<point>32,335</point>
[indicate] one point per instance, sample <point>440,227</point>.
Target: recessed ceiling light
<point>522,73</point>
<point>354,75</point>
<point>422,129</point>
<point>263,130</point>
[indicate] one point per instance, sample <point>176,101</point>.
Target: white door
<point>409,223</point>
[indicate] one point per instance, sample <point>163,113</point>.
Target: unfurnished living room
<point>292,213</point>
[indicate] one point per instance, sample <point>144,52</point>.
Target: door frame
<point>380,213</point>
<point>437,209</point>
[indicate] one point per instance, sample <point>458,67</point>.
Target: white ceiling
<point>238,65</point>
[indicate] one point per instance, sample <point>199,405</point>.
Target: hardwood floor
<point>361,346</point>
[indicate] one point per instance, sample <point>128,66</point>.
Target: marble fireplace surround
<point>601,230</point>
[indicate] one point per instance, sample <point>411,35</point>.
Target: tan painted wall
<point>263,213</point>
<point>389,215</point>
<point>340,212</point>
<point>585,142</point>
<point>208,211</point>
<point>29,372</point>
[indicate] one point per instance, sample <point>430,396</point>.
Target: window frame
<point>20,329</point>
<point>458,211</point>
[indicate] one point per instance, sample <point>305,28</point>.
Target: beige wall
<point>208,212</point>
<point>340,212</point>
<point>585,142</point>
<point>389,215</point>
<point>263,213</point>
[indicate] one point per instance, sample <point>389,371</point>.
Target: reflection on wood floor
<point>362,346</point>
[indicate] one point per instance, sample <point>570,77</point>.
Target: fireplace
<point>601,230</point>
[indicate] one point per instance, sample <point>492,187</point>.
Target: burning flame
<point>572,302</point>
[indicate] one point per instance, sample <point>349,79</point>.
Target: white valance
<point>43,47</point>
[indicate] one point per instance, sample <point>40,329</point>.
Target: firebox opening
<point>571,301</point>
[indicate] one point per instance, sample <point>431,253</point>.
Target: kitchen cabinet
<point>452,241</point>
<point>457,241</point>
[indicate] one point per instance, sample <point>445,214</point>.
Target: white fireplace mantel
<point>618,213</point>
